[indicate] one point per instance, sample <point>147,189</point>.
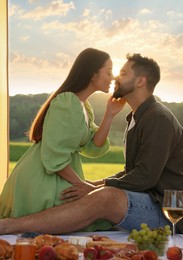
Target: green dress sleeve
<point>62,132</point>
<point>90,149</point>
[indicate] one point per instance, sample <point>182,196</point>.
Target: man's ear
<point>141,81</point>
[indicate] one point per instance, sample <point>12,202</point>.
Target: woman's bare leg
<point>107,203</point>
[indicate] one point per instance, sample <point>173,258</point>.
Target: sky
<point>46,36</point>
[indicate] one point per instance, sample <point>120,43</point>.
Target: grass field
<point>114,155</point>
<point>109,164</point>
<point>93,171</point>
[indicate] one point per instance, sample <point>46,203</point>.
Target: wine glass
<point>173,207</point>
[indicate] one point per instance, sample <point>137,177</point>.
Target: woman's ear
<point>94,76</point>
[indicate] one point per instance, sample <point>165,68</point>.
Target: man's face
<point>125,82</point>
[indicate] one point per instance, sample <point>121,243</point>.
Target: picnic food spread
<point>94,247</point>
<point>48,247</point>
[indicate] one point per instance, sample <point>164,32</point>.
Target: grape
<point>159,237</point>
<point>154,233</point>
<point>142,232</point>
<point>145,238</point>
<point>149,233</point>
<point>164,238</point>
<point>150,239</point>
<point>167,227</point>
<point>134,231</point>
<point>143,225</point>
<point>139,239</point>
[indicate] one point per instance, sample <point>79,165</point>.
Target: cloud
<point>107,14</point>
<point>30,74</point>
<point>126,35</point>
<point>175,18</point>
<point>179,41</point>
<point>12,9</point>
<point>32,1</point>
<point>151,37</point>
<point>122,26</point>
<point>82,27</point>
<point>87,29</point>
<point>17,59</point>
<point>145,11</point>
<point>86,12</point>
<point>24,62</point>
<point>175,41</point>
<point>63,60</point>
<point>175,14</point>
<point>24,38</point>
<point>55,8</point>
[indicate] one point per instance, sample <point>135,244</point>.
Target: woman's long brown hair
<point>87,63</point>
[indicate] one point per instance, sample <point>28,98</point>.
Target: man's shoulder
<point>159,109</point>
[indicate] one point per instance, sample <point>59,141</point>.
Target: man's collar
<point>141,109</point>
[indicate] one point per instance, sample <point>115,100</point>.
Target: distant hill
<point>23,109</point>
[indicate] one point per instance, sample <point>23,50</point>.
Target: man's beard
<point>118,93</point>
<point>123,89</point>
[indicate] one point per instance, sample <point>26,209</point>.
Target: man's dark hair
<point>144,66</point>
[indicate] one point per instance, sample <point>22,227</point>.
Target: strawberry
<point>104,253</point>
<point>90,253</point>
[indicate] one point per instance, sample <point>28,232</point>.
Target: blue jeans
<point>142,209</point>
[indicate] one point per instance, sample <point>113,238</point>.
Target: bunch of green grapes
<point>150,239</point>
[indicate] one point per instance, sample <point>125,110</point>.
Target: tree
<point>23,109</point>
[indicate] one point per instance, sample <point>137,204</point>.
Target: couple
<point>154,152</point>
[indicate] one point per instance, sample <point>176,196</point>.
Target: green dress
<point>33,185</point>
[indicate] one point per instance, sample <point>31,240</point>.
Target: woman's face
<point>102,79</point>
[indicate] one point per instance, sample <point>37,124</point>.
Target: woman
<point>62,129</point>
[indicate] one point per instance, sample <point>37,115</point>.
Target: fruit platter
<point>93,247</point>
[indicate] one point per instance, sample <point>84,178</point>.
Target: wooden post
<point>4,96</point>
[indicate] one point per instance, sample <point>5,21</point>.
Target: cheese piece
<point>82,241</point>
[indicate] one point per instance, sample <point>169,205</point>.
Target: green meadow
<point>97,168</point>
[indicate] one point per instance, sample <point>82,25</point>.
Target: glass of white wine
<point>173,207</point>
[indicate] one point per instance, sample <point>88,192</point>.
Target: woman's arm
<point>69,175</point>
<point>114,106</point>
<point>97,182</point>
<point>79,188</point>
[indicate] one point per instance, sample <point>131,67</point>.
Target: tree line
<point>23,109</point>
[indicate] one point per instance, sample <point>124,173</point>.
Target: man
<point>154,152</point>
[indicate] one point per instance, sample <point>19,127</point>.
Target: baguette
<point>110,243</point>
<point>120,249</point>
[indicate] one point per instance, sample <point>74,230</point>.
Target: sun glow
<point>117,64</point>
<point>111,89</point>
<point>116,68</point>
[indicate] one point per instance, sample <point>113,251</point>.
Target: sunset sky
<point>46,36</point>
